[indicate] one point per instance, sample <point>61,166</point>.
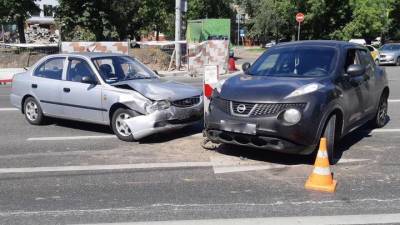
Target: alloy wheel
<point>31,111</point>
<point>122,127</point>
<point>382,112</point>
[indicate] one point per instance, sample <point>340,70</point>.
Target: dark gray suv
<point>297,92</point>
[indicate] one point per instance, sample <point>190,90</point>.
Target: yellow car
<point>374,52</point>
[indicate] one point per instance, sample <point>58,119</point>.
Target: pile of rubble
<point>39,35</point>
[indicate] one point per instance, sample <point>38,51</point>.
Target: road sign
<point>242,33</point>
<point>300,17</point>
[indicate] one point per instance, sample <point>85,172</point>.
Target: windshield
<point>390,47</point>
<point>114,69</point>
<point>295,62</point>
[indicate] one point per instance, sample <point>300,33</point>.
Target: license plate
<point>237,127</point>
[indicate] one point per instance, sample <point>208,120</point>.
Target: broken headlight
<point>157,105</point>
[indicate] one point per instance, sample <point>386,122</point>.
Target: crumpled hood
<point>156,89</point>
<point>244,88</point>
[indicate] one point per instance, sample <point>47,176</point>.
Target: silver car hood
<point>156,89</point>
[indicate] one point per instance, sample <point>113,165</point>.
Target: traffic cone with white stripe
<point>321,179</point>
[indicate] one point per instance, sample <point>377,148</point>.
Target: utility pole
<point>178,22</point>
<point>238,18</point>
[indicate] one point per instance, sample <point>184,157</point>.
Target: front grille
<point>222,104</point>
<point>254,109</point>
<point>241,108</point>
<point>273,109</point>
<point>187,102</point>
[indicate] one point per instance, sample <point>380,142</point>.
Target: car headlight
<point>157,105</point>
<point>306,89</point>
<point>292,116</point>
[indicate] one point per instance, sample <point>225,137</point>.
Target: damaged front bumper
<point>164,120</point>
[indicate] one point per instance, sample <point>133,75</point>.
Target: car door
<point>46,85</point>
<point>82,100</point>
<point>353,91</point>
<point>368,83</point>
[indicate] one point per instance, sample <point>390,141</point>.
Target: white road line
<point>105,167</point>
<point>70,138</point>
<point>394,100</point>
<point>8,109</point>
<point>385,130</point>
<point>308,220</point>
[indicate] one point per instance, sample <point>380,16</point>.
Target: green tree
<point>17,11</point>
<point>201,9</point>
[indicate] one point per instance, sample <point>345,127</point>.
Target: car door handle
<point>67,90</point>
<point>34,85</point>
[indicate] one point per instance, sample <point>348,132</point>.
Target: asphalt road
<point>77,173</point>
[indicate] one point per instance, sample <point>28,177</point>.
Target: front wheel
<point>120,127</point>
<point>330,135</point>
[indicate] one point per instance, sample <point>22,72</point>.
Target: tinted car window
<point>296,62</point>
<point>78,68</point>
<point>51,69</point>
<point>351,58</point>
<point>365,58</point>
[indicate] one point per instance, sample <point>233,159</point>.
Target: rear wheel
<point>381,114</point>
<point>33,112</point>
<point>330,135</point>
<point>120,127</point>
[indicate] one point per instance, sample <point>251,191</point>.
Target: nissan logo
<point>241,108</point>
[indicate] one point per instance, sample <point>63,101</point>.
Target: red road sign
<point>299,17</point>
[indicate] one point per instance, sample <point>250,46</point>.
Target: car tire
<point>380,118</point>
<point>119,127</point>
<point>33,112</point>
<point>398,62</point>
<point>330,135</point>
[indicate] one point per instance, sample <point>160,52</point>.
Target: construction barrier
<point>212,52</point>
<point>7,74</point>
<point>108,47</point>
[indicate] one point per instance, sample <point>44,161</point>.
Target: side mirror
<point>355,70</point>
<point>246,66</point>
<point>87,80</point>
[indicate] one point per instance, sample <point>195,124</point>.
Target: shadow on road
<point>345,144</point>
<point>153,139</point>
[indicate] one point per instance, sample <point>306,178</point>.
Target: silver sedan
<point>102,88</point>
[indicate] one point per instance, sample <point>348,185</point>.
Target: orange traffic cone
<point>321,179</point>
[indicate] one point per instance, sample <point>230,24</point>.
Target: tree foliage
<point>324,19</point>
<point>17,11</point>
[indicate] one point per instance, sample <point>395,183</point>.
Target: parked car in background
<point>103,88</point>
<point>296,93</point>
<point>358,41</point>
<point>270,44</point>
<point>374,52</point>
<point>389,54</point>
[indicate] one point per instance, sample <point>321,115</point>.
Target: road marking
<point>104,167</point>
<point>8,109</point>
<point>385,130</point>
<point>70,138</point>
<point>307,220</point>
<point>231,164</point>
<point>394,100</point>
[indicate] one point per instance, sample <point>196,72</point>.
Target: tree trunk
<point>157,34</point>
<point>21,31</point>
